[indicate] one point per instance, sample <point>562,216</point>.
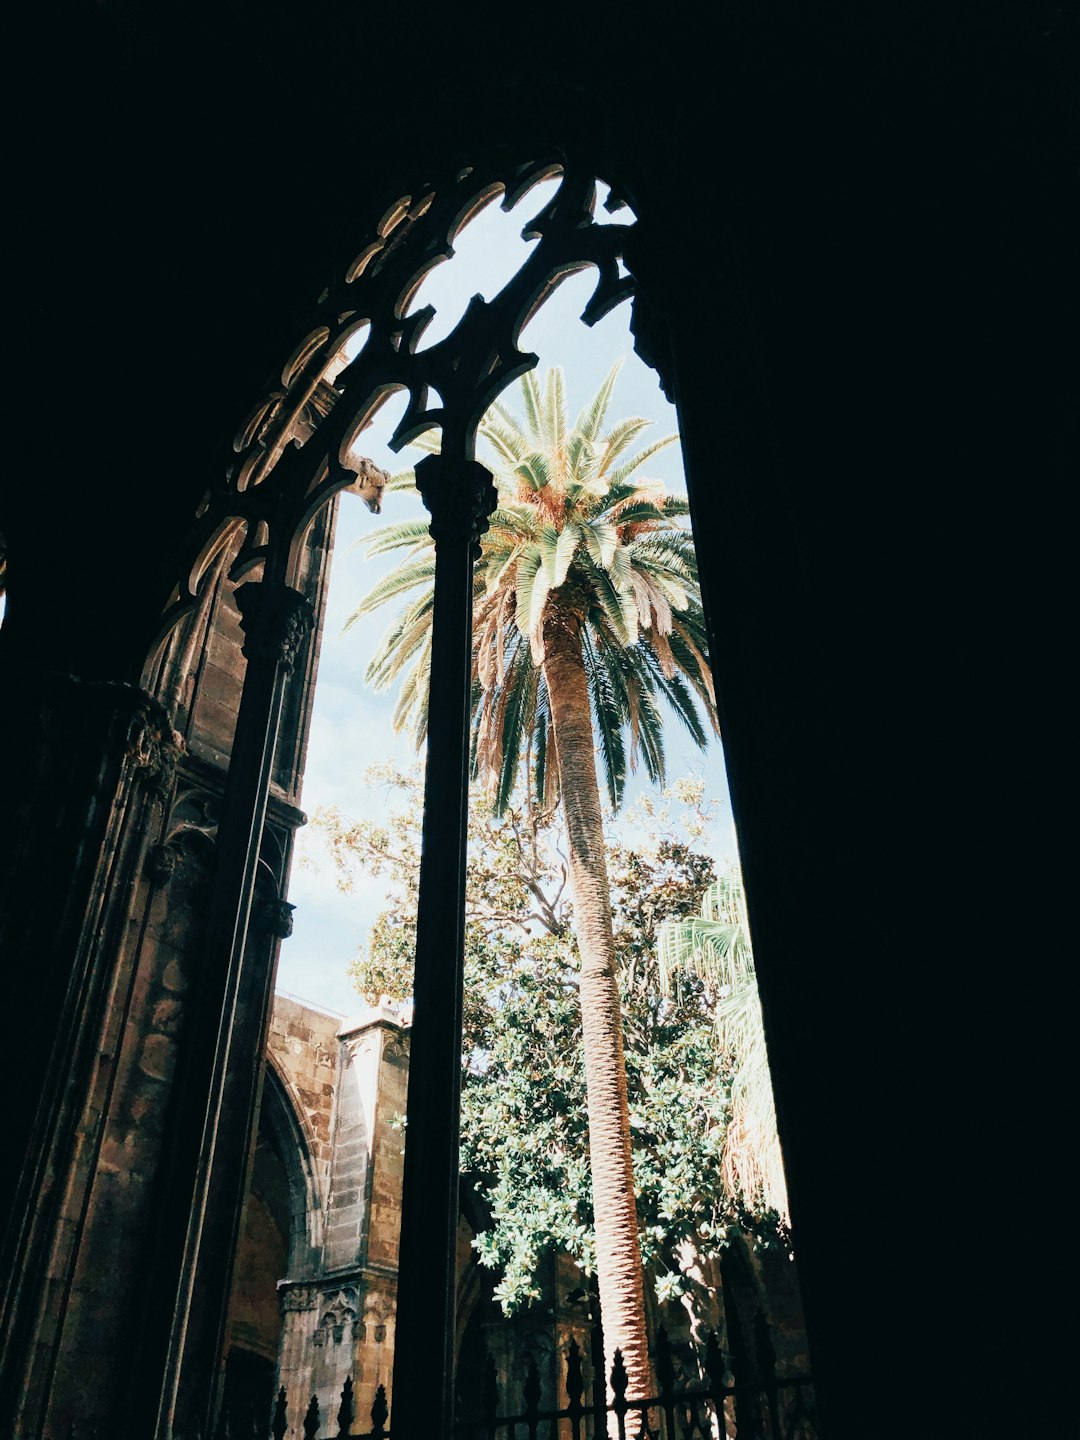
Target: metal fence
<point>759,1404</point>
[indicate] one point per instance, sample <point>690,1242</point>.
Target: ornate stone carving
<point>294,450</point>
<point>161,861</point>
<point>359,1048</point>
<point>276,619</point>
<point>369,484</point>
<point>195,806</point>
<point>153,746</point>
<point>276,916</point>
<point>338,1317</point>
<point>378,1311</point>
<point>109,719</point>
<point>461,496</point>
<point>298,1297</point>
<point>397,1048</point>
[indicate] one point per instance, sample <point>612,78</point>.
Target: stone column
<point>217,1093</point>
<point>338,1314</point>
<point>95,791</point>
<point>460,495</point>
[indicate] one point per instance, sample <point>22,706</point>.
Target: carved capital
<point>113,722</point>
<point>276,917</point>
<point>298,1297</point>
<point>461,496</point>
<point>161,861</point>
<point>276,620</point>
<point>153,746</point>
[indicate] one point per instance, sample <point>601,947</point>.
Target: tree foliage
<point>713,948</point>
<point>524,1122</point>
<point>580,533</point>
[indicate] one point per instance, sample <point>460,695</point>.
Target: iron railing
<point>760,1405</point>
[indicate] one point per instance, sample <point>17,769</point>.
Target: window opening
<point>414,366</point>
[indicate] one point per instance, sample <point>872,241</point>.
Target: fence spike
<point>575,1385</point>
<point>345,1409</point>
<point>312,1419</point>
<point>619,1381</point>
<point>280,1423</point>
<point>379,1413</point>
<point>715,1367</point>
<point>766,1352</point>
<point>665,1370</point>
<point>490,1394</point>
<point>532,1387</point>
<point>766,1363</point>
<point>532,1398</point>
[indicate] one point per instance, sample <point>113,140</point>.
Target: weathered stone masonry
<point>347,1081</point>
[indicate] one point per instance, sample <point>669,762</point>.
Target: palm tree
<point>587,611</point>
<point>715,945</point>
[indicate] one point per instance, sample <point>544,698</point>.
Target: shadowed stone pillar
<point>100,778</point>
<point>217,1096</point>
<point>460,495</point>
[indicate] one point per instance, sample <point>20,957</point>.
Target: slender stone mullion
<point>205,1200</point>
<point>460,496</point>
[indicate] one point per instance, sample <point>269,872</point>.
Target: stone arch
<point>296,1146</point>
<point>296,451</point>
<point>273,1242</point>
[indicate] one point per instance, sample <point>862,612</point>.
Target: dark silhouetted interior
<point>857,258</point>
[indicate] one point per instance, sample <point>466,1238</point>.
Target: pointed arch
<point>295,1143</point>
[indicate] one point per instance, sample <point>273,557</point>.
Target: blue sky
<point>351,725</point>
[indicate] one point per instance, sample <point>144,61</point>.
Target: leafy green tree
<point>525,1132</point>
<point>714,947</point>
<point>587,612</point>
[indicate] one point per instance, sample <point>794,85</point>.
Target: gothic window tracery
<point>369,337</point>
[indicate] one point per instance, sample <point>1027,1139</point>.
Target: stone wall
<point>346,1080</point>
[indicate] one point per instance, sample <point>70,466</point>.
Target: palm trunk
<point>617,1250</point>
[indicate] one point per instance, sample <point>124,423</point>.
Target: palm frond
<point>601,540</point>
<point>715,945</point>
<point>619,437</point>
<point>430,441</point>
<point>532,587</point>
<point>401,480</point>
<point>405,534</point>
<point>675,692</point>
<point>530,393</point>
<point>408,634</point>
<point>545,767</point>
<point>574,526</point>
<point>565,549</point>
<point>619,607</point>
<point>535,470</point>
<point>406,577</point>
<point>517,722</point>
<point>592,416</point>
<point>509,444</point>
<point>622,473</point>
<point>554,413</point>
<point>607,722</point>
